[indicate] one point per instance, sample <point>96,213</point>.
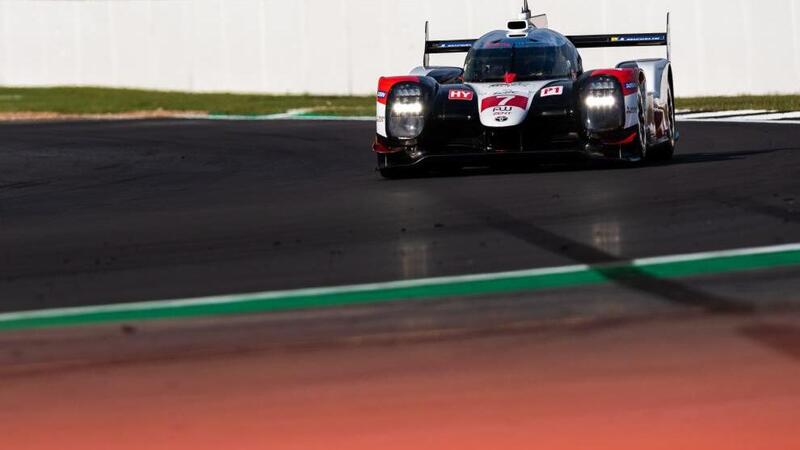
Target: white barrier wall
<point>720,47</point>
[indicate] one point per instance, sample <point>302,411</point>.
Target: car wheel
<point>665,151</point>
<point>637,150</point>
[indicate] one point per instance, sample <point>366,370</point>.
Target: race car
<point>523,94</point>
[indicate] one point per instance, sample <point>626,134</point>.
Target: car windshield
<point>529,60</point>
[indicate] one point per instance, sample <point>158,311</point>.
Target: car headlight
<point>406,112</point>
<point>602,93</point>
<point>407,109</point>
<point>604,108</point>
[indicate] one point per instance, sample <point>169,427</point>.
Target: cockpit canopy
<point>542,54</point>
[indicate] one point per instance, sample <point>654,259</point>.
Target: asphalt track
<point>99,213</point>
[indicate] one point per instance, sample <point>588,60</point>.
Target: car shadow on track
<point>705,157</point>
<point>584,165</point>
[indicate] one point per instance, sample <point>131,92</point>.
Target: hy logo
<point>461,94</point>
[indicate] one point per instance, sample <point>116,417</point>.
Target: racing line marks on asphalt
<point>631,278</point>
<point>665,267</point>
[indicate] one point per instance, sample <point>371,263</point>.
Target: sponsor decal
<point>461,94</point>
<point>455,44</point>
<point>502,111</point>
<point>639,38</point>
<point>551,91</point>
<point>513,101</point>
<point>631,85</point>
<point>381,94</point>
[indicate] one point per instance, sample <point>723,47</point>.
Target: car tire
<point>666,150</point>
<point>636,151</point>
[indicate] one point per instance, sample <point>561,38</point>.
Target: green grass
<point>769,102</point>
<point>89,100</point>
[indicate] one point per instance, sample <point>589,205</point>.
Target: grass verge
<point>93,101</point>
<point>781,103</point>
<point>90,100</point>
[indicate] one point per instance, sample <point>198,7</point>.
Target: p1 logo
<point>551,91</point>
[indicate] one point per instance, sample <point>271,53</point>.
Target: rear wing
<point>626,40</point>
<point>438,47</point>
<point>619,40</point>
<point>587,41</point>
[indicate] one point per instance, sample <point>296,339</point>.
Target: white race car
<point>523,94</point>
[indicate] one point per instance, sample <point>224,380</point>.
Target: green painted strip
<point>469,285</point>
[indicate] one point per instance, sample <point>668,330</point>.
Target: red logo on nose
<point>517,101</point>
<point>461,94</point>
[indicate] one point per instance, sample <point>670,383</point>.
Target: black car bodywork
<point>569,113</point>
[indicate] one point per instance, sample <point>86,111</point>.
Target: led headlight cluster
<point>406,111</point>
<point>602,94</point>
<point>604,108</point>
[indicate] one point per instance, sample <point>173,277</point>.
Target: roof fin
<point>426,60</point>
<point>669,41</point>
<point>526,11</point>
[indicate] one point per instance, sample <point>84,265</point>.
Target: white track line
<point>743,116</point>
<point>286,116</point>
<point>763,117</point>
<point>758,117</point>
<point>753,121</point>
<point>722,114</point>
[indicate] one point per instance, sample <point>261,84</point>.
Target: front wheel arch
<point>637,150</point>
<point>666,150</point>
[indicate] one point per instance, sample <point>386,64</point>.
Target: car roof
<point>533,37</point>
